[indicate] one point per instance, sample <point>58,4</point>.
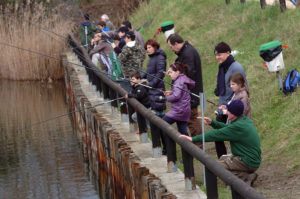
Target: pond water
<point>40,160</point>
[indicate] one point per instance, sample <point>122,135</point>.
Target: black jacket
<point>140,93</point>
<point>189,55</point>
<point>155,71</point>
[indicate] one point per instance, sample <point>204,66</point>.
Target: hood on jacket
<point>184,79</point>
<point>159,52</point>
<point>130,44</point>
<point>87,23</point>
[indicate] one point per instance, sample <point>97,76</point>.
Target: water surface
<point>39,161</point>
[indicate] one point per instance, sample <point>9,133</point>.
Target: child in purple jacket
<point>180,111</point>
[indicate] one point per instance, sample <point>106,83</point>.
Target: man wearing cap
<point>87,31</point>
<point>244,142</point>
<point>188,55</point>
<point>227,66</point>
<point>132,55</point>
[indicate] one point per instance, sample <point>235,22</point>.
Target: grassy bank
<point>245,27</point>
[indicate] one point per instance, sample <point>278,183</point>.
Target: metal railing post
<point>212,168</point>
<point>211,185</point>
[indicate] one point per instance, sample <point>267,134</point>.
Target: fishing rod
<point>67,114</point>
<point>31,51</point>
<point>45,55</point>
<point>193,94</point>
<point>147,86</point>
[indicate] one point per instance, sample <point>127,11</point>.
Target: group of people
<point>232,122</point>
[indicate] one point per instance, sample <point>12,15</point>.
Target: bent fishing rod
<point>67,114</point>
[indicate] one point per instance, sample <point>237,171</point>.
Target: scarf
<point>223,68</point>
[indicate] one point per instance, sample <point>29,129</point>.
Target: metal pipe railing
<point>213,168</point>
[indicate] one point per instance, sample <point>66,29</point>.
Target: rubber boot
<point>172,167</point>
<point>157,152</point>
<point>190,184</point>
<point>144,138</point>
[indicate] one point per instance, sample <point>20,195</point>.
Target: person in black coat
<point>188,55</point>
<point>155,74</point>
<point>140,92</point>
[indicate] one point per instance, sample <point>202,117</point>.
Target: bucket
<point>272,54</point>
<point>276,64</point>
<point>168,28</point>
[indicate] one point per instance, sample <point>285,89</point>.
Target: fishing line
<point>31,51</point>
<point>66,114</point>
<point>193,94</point>
<point>108,57</point>
<point>155,78</point>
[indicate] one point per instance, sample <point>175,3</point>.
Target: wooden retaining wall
<point>117,169</point>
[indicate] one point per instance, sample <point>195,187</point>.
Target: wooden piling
<point>109,156</point>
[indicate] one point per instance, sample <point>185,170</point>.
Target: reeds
<point>29,27</point>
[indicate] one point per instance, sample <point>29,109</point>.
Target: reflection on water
<point>42,161</point>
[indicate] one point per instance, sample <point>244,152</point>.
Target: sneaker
<point>172,167</point>
<point>190,184</point>
<point>157,152</point>
<point>137,132</point>
<point>251,179</point>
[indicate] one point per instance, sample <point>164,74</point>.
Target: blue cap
<point>236,107</point>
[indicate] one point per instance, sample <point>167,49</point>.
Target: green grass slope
<point>244,27</point>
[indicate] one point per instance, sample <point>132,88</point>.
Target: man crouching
<point>244,142</point>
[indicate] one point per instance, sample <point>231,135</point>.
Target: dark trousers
<point>220,146</point>
<point>157,136</point>
<point>141,123</point>
<point>187,159</point>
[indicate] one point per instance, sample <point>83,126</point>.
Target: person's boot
<point>188,184</point>
<point>144,138</point>
<point>172,167</point>
<point>251,179</point>
<point>157,152</point>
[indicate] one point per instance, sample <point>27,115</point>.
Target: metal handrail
<point>211,164</point>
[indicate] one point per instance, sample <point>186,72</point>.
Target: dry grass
<point>23,27</point>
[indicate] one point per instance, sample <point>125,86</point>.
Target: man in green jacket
<point>244,142</point>
<point>132,55</point>
<point>87,31</point>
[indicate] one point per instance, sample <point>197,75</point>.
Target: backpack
<point>291,82</point>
